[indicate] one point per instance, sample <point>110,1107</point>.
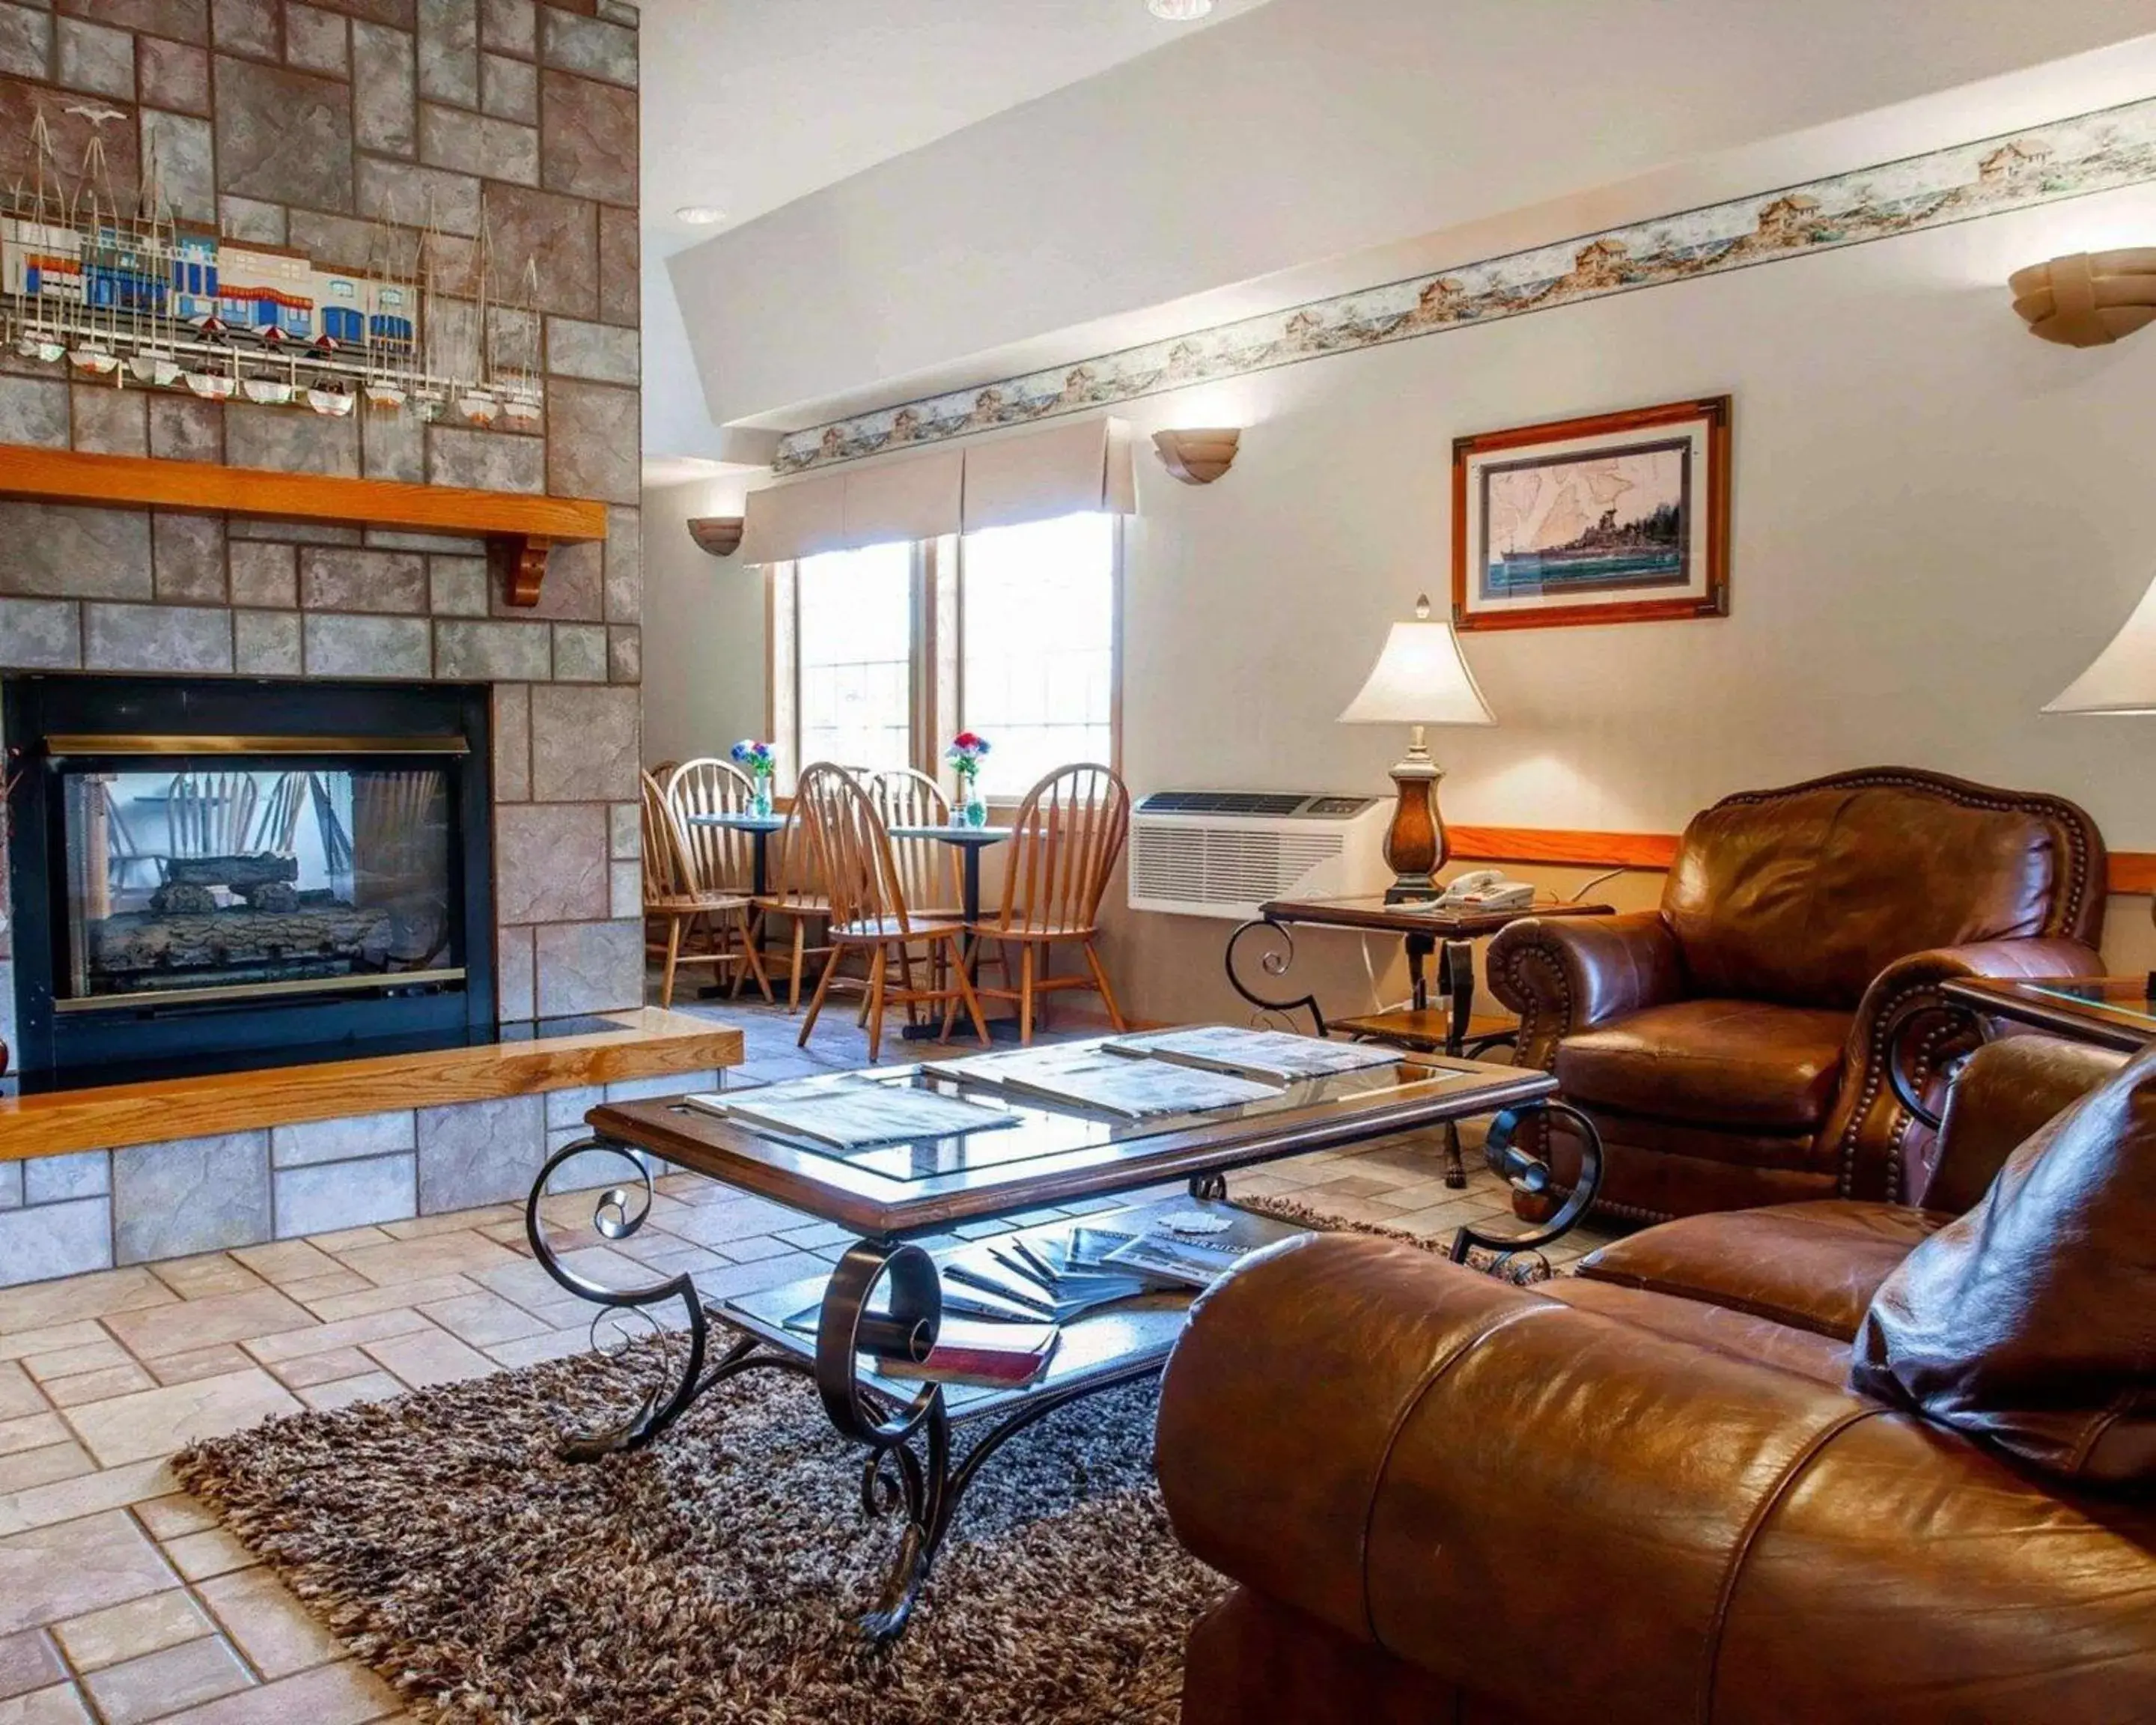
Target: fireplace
<point>214,874</point>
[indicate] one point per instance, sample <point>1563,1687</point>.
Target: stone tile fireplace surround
<point>524,114</point>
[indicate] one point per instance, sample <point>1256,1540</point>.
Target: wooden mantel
<point>519,530</point>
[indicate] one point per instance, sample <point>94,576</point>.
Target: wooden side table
<point>1450,935</point>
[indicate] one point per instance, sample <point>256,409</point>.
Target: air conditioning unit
<point>1225,853</point>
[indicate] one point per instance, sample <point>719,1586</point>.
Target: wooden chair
<point>210,814</point>
<point>1068,834</point>
<point>796,884</point>
<point>929,869</point>
<point>869,910</point>
<point>699,875</point>
<point>400,857</point>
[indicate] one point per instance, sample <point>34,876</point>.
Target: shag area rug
<point>713,1578</point>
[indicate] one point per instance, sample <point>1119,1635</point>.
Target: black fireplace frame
<point>53,1047</point>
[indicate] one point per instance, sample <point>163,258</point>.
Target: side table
<point>1449,934</point>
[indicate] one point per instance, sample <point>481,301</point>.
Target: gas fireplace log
<point>238,872</point>
<point>137,941</point>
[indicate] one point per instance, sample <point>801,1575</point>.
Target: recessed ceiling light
<point>1178,11</point>
<point>702,215</point>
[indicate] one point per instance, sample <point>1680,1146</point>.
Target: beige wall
<point>703,639</point>
<point>1939,520</point>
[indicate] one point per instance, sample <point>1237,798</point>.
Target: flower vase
<point>973,807</point>
<point>759,799</point>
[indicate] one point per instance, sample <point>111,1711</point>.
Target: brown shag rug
<point>713,1579</point>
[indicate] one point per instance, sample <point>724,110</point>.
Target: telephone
<point>1487,889</point>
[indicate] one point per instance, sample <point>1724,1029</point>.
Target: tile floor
<point>120,1601</point>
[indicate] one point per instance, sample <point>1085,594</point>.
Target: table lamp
<point>2120,682</point>
<point>1421,679</point>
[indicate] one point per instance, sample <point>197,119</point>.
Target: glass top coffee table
<point>886,1299</point>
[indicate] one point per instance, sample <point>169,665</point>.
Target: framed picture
<point>1618,518</point>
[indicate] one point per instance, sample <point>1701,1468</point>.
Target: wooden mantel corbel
<point>519,530</point>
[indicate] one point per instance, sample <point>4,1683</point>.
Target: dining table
<point>970,842</point>
<point>759,828</point>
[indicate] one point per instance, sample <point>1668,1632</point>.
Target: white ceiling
<point>751,103</point>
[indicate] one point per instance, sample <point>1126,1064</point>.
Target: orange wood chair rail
<point>2131,870</point>
<point>519,529</point>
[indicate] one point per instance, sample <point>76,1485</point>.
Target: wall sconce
<point>1198,458</point>
<point>2087,298</point>
<point>721,535</point>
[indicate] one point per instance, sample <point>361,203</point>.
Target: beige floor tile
<point>27,1663</point>
<point>23,1344</point>
<point>346,1238</point>
<point>52,1573</point>
<point>715,1225</point>
<point>60,1705</point>
<point>531,1287</point>
<point>171,1517</point>
<point>191,1324</point>
<point>199,1362</point>
<point>343,1694</point>
<point>346,1332</point>
<point>213,1273</point>
<point>132,1428</point>
<point>159,1683</point>
<point>460,1253</point>
<point>99,1386</point>
<point>483,1319</point>
<point>554,1344</point>
<point>274,1630</point>
<point>42,1465</point>
<point>148,1625</point>
<point>86,1494</point>
<point>344,1392</point>
<point>430,1357</point>
<point>324,1368</point>
<point>18,1395</point>
<point>42,1305</point>
<point>364,1302</point>
<point>285,1261</point>
<point>419,1227</point>
<point>212,1551</point>
<point>33,1431</point>
<point>508,1234</point>
<point>69,1362</point>
<point>309,1289</point>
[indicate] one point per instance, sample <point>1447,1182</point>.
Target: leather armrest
<point>1567,973</point>
<point>1883,1152</point>
<point>2005,1093</point>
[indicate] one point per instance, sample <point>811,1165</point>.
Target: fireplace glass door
<point>207,881</point>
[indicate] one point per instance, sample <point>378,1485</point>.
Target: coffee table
<point>1929,1033</point>
<point>886,1295</point>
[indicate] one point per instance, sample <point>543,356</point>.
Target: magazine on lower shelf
<point>1174,1249</point>
<point>993,1356</point>
<point>1273,1054</point>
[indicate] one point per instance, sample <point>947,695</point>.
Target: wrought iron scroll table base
<point>1455,985</point>
<point>912,1467</point>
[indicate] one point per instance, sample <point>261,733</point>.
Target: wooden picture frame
<point>1613,518</point>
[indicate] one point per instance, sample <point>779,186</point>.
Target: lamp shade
<point>2122,679</point>
<point>1421,678</point>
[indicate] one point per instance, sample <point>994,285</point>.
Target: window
<point>1036,612</point>
<point>855,641</point>
<point>878,655</point>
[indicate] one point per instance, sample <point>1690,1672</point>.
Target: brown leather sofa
<point>1650,1494</point>
<point>1730,1046</point>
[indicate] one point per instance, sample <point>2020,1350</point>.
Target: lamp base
<point>1414,843</point>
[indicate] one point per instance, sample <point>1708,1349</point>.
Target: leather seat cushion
<point>1712,1062</point>
<point>1812,1266</point>
<point>1738,1334</point>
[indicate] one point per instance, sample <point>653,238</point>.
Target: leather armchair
<point>1650,1492</point>
<point>1731,1045</point>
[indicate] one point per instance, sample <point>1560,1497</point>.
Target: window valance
<point>1085,466</point>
